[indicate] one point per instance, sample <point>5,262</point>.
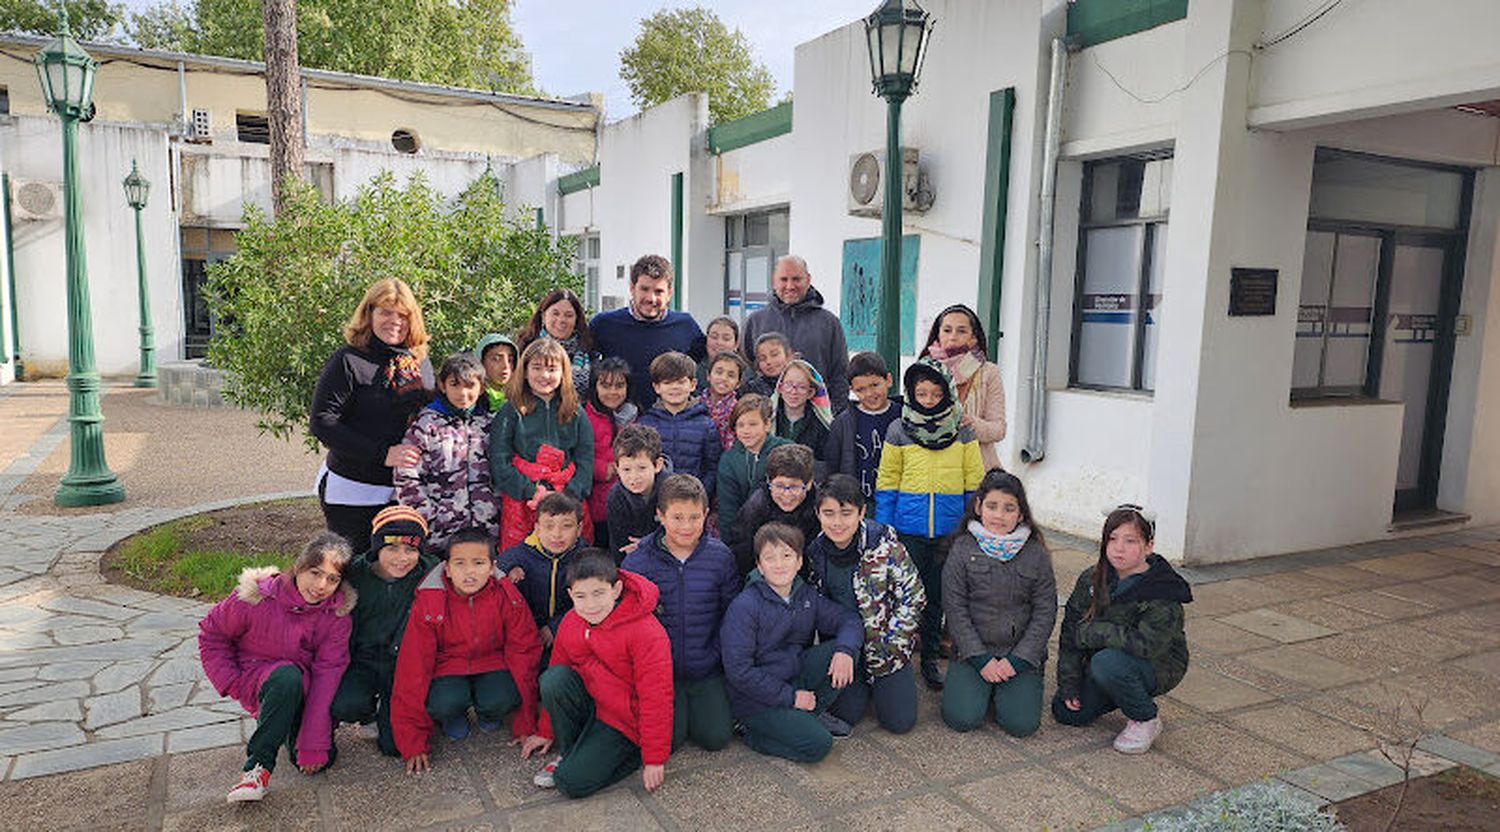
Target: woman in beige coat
<point>957,340</point>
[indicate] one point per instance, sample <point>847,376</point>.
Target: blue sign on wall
<point>859,301</point>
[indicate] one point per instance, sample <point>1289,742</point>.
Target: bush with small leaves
<point>1262,807</point>
<point>280,303</point>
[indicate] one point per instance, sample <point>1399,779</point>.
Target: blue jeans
<point>1113,679</point>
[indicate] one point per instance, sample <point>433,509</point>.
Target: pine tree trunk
<point>283,95</point>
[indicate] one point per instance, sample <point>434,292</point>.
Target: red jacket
<point>449,634</point>
<point>626,664</point>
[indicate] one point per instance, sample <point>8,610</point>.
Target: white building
<point>197,126</point>
<point>1340,171</point>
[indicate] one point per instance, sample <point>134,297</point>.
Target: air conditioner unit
<point>867,183</point>
<point>36,201</point>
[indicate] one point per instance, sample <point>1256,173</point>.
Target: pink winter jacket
<point>265,624</point>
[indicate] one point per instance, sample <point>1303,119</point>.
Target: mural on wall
<point>859,301</point>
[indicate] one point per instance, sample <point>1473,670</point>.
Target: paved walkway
<point>106,721</point>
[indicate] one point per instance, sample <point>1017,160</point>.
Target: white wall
<point>1372,58</point>
<point>1104,113</point>
<point>576,212</point>
<point>633,203</point>
<point>753,177</point>
<point>975,48</point>
<point>7,361</point>
<point>32,149</point>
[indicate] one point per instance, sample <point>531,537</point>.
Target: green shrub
<point>281,301</point>
<point>1262,807</point>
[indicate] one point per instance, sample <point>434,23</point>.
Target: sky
<point>575,44</point>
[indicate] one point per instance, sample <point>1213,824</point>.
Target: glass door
<point>1415,356</point>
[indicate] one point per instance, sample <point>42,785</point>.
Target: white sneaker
<point>1138,736</point>
<point>252,785</point>
<point>546,778</point>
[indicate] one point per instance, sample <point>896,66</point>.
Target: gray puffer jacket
<point>1000,609</point>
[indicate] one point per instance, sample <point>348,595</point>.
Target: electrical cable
<point>1296,28</point>
<point>1181,88</point>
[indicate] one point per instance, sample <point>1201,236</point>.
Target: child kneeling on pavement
<point>862,565</point>
<point>607,698</point>
<point>279,645</point>
<point>1000,596</point>
<point>470,642</point>
<point>1122,641</point>
<point>780,685</point>
<point>386,580</point>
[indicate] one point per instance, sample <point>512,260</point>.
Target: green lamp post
<point>136,189</point>
<point>896,34</point>
<point>66,73</point>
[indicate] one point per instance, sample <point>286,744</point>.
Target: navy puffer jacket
<point>765,635</point>
<point>694,595</point>
<point>691,440</point>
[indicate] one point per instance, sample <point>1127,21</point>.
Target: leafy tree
<point>691,50</point>
<point>89,19</point>
<point>283,298</point>
<point>467,43</point>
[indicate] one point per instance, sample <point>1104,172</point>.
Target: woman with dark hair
<point>560,316</point>
<point>367,393</point>
<point>957,341</point>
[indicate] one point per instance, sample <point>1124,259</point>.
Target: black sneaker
<point>931,674</point>
<point>835,726</point>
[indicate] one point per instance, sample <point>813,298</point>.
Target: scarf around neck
<point>933,428</point>
<point>817,403</point>
<point>1001,547</point>
<point>403,371</point>
<point>961,364</point>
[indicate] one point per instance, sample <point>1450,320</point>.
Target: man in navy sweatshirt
<point>647,327</point>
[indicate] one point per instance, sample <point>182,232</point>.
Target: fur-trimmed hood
<point>258,583</point>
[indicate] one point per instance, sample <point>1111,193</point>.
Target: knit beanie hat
<point>398,524</point>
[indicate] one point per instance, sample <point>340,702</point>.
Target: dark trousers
<point>1112,679</point>
<point>594,755</point>
<point>364,695</point>
<point>279,719</point>
<point>894,695</point>
<point>924,552</point>
<point>492,695</point>
<point>700,712</point>
<point>1017,701</point>
<point>352,523</point>
<point>795,734</point>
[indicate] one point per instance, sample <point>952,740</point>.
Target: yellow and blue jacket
<point>921,491</point>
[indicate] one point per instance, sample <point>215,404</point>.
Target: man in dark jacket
<point>697,580</point>
<point>796,311</point>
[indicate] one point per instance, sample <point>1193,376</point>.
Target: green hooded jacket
<point>380,616</point>
<point>1146,621</point>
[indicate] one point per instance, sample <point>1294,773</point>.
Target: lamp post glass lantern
<point>66,73</point>
<point>136,189</point>
<point>896,35</point>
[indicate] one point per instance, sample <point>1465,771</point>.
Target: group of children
<point>732,560</point>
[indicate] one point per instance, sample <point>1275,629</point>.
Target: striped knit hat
<point>398,524</point>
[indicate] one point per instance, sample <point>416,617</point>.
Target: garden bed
<point>201,556</point>
<point>1460,799</point>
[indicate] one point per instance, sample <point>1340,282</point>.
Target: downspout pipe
<point>14,345</point>
<point>1034,449</point>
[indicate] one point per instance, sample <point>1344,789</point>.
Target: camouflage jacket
<point>1146,621</point>
<point>888,590</point>
<point>451,485</point>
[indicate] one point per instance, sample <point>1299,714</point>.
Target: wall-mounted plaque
<point>1252,292</point>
